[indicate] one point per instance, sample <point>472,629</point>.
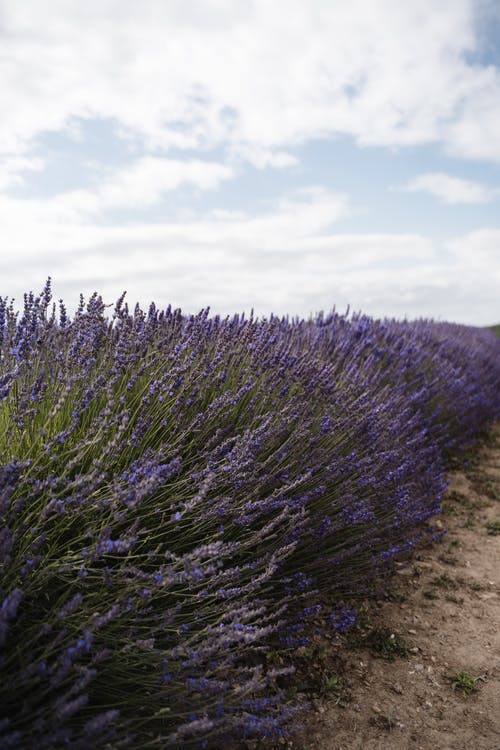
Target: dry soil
<point>446,607</point>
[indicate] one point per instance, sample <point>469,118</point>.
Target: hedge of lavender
<point>178,494</point>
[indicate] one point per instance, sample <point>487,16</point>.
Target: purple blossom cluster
<point>179,492</point>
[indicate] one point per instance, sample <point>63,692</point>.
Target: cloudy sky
<point>276,154</point>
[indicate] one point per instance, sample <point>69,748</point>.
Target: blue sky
<point>281,156</point>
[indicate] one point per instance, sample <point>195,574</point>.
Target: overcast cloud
<point>283,155</point>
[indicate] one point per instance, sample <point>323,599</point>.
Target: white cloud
<point>258,77</point>
<point>263,157</point>
<point>475,132</point>
<point>451,190</point>
<point>12,169</point>
<point>46,224</point>
<point>479,252</point>
<point>287,260</point>
<point>139,185</point>
<point>143,183</point>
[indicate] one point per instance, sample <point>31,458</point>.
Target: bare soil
<point>445,609</point>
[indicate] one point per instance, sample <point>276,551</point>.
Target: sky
<point>276,155</point>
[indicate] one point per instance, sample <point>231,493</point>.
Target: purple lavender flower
<point>342,619</point>
<point>197,486</point>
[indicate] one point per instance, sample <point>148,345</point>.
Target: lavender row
<point>179,494</point>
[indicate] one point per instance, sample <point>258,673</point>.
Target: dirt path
<point>446,609</point>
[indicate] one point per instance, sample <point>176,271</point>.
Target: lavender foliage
<point>178,493</point>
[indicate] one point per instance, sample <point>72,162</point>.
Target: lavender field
<point>181,494</point>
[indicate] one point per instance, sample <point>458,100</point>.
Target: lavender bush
<point>178,493</point>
